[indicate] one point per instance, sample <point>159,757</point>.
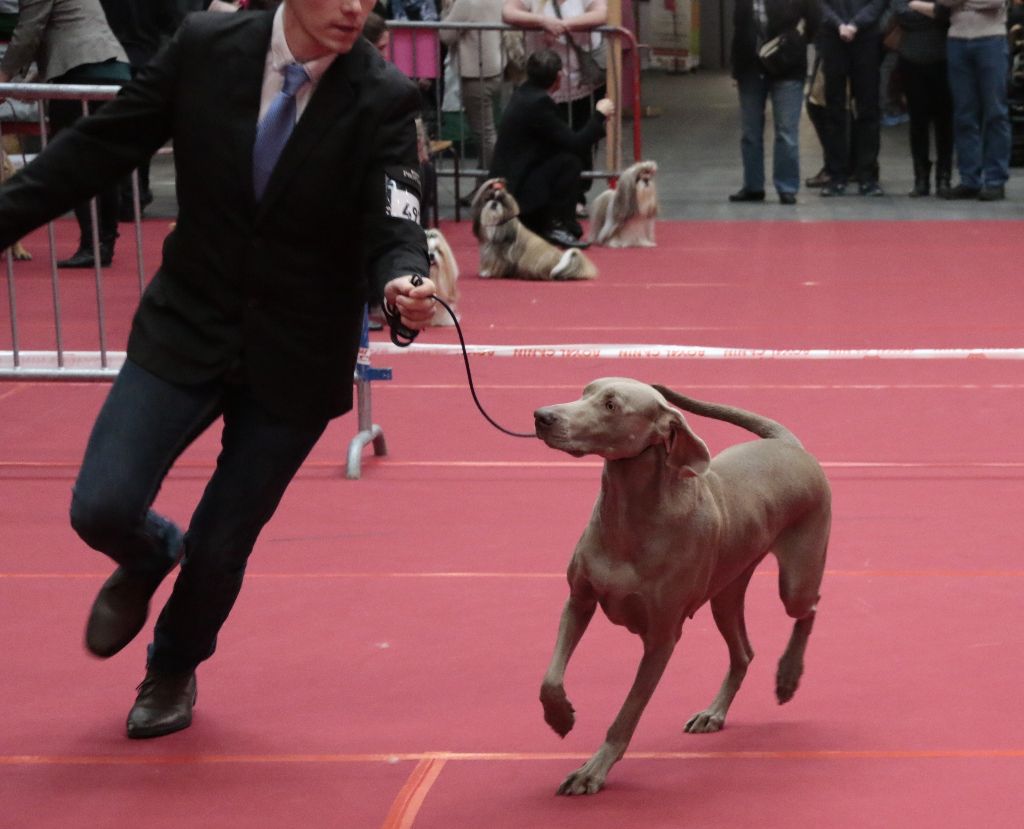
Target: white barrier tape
<point>85,364</point>
<point>690,352</point>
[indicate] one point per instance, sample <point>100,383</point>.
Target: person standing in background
<point>480,66</point>
<point>756,22</point>
<point>851,51</point>
<point>978,61</point>
<point>922,65</point>
<point>72,43</point>
<point>141,26</point>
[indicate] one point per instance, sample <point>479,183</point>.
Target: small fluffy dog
<point>624,217</point>
<point>444,273</point>
<point>511,250</point>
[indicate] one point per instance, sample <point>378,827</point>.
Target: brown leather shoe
<point>119,611</point>
<point>164,705</point>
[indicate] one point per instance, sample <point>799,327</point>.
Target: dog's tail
<point>761,426</point>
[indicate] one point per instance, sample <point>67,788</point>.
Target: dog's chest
<point>618,588</point>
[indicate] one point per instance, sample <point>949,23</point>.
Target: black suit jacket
<point>782,15</point>
<point>531,131</point>
<point>277,287</point>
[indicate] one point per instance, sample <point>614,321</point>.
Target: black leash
<point>403,337</point>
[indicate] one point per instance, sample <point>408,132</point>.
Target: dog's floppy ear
<point>685,451</point>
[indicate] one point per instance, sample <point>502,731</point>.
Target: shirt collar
<point>281,55</point>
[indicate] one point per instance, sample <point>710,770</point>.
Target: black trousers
<point>62,115</point>
<point>930,106</point>
<point>854,64</point>
<point>549,193</point>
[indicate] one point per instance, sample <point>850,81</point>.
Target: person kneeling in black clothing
<point>538,154</point>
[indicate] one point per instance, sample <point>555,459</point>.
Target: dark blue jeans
<point>144,425</point>
<point>787,97</point>
<point>978,71</point>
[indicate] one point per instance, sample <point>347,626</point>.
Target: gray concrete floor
<point>695,141</point>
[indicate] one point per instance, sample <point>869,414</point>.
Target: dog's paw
<point>21,254</point>
<point>558,711</point>
<point>787,680</point>
<point>705,722</point>
<point>587,779</point>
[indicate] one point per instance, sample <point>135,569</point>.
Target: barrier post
<point>369,432</point>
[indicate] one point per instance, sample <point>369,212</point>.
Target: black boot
<point>922,174</point>
<point>943,180</point>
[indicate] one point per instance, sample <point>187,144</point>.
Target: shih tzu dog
<point>444,273</point>
<point>624,217</point>
<point>509,249</point>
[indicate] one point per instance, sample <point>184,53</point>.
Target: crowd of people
<point>954,71</point>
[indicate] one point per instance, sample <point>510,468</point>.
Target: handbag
<point>784,52</point>
<point>893,37</point>
<point>591,72</point>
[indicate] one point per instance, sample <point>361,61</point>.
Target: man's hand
<point>606,107</point>
<point>847,31</point>
<point>414,303</point>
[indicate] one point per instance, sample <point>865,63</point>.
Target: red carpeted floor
<point>382,665</point>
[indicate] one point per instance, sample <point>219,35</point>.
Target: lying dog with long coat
<point>673,529</point>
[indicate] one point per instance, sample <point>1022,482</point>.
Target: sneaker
<point>787,198</point>
<point>962,191</point>
<point>997,193</point>
<point>871,188</point>
<point>747,195</point>
<point>833,189</point>
<point>564,239</point>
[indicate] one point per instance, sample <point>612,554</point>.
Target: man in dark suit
<point>255,312</point>
<point>539,155</point>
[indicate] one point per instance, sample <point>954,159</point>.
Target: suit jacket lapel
<point>333,95</point>
<point>244,65</point>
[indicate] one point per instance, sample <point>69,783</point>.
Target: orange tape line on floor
<point>409,800</point>
<point>933,573</point>
<point>432,762</point>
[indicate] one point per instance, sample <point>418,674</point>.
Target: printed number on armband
<point>402,199</point>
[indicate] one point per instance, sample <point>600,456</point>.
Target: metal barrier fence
<point>61,363</point>
<point>417,49</point>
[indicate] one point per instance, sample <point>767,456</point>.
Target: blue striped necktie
<point>277,124</point>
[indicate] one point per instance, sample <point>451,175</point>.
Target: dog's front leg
<point>590,777</point>
<point>558,711</point>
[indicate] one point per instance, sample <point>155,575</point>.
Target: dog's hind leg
<point>801,554</point>
<point>727,608</point>
<point>558,711</point>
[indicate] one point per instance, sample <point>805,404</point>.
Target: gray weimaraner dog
<point>673,529</point>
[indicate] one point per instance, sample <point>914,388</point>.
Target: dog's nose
<point>544,417</point>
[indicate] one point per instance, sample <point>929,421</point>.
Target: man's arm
<point>515,13</point>
<point>553,131</point>
<point>33,15</point>
<point>396,246</point>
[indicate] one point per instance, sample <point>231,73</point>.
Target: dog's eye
<point>609,404</point>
